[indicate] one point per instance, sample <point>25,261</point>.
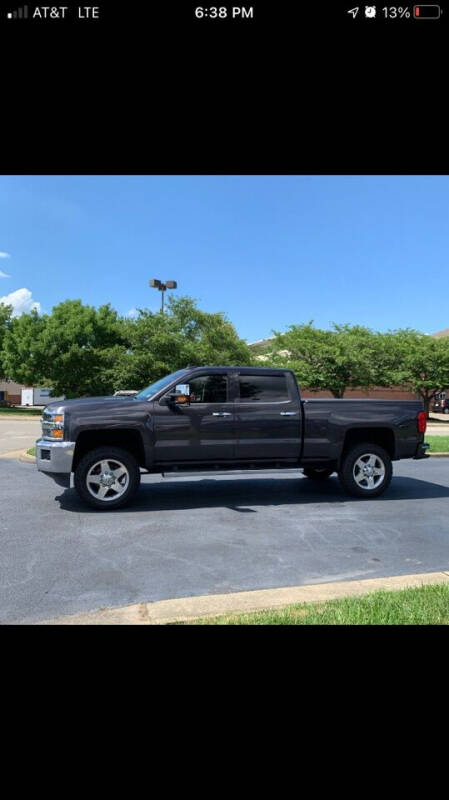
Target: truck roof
<point>255,370</point>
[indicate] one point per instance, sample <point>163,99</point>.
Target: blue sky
<point>267,250</point>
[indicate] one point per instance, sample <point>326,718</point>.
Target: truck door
<point>267,416</point>
<point>203,429</point>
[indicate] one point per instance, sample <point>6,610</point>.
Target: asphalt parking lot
<point>208,535</point>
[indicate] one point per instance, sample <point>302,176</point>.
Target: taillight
<point>422,421</point>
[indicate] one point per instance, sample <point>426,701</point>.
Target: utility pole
<point>162,287</point>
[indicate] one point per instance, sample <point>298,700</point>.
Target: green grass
<point>438,444</point>
<point>31,451</point>
<point>25,411</point>
<point>426,605</point>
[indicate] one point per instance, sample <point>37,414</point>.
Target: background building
<point>13,392</point>
<point>17,394</point>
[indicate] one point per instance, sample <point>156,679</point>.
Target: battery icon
<point>426,12</point>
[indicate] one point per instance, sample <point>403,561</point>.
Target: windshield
<point>154,388</point>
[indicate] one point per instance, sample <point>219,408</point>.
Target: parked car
<point>441,406</point>
<point>218,419</point>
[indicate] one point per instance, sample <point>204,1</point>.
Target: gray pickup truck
<point>219,419</point>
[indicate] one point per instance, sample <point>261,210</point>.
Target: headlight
<point>52,425</point>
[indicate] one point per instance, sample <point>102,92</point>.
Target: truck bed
<point>326,421</point>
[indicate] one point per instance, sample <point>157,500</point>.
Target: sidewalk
<point>185,609</point>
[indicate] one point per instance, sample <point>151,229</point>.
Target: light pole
<point>156,284</point>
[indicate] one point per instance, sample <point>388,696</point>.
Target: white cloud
<point>133,313</point>
<point>4,275</point>
<point>4,255</point>
<point>22,302</point>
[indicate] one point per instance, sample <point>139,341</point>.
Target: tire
<point>318,474</point>
<point>354,462</point>
<point>117,463</point>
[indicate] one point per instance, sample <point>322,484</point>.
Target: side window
<point>208,389</point>
<point>263,388</point>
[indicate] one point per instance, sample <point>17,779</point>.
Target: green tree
<point>422,362</point>
<point>162,343</point>
<point>23,356</point>
<point>82,345</point>
<point>153,349</point>
<point>5,321</point>
<point>208,338</point>
<point>74,349</point>
<point>344,357</point>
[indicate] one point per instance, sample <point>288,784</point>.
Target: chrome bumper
<point>55,459</point>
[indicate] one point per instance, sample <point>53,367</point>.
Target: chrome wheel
<point>107,480</point>
<point>369,471</point>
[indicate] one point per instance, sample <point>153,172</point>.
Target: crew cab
<point>219,419</point>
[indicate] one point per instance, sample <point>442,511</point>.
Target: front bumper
<point>55,459</point>
<point>421,451</point>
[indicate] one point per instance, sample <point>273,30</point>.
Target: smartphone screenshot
<point>224,325</point>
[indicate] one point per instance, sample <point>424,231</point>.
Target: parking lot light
<point>162,287</point>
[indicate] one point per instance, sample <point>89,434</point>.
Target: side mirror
<point>174,399</point>
<point>180,395</point>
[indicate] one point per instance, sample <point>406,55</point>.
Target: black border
<point>307,92</point>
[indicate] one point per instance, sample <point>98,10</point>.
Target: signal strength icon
<point>19,13</point>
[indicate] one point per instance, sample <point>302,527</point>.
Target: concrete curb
<point>27,417</point>
<point>21,455</point>
<point>27,458</point>
<point>186,609</point>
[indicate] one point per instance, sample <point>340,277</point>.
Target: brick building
<point>14,391</point>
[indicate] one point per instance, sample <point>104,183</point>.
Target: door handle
<point>287,413</point>
<point>221,414</point>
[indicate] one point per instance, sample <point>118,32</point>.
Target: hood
<point>90,403</point>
